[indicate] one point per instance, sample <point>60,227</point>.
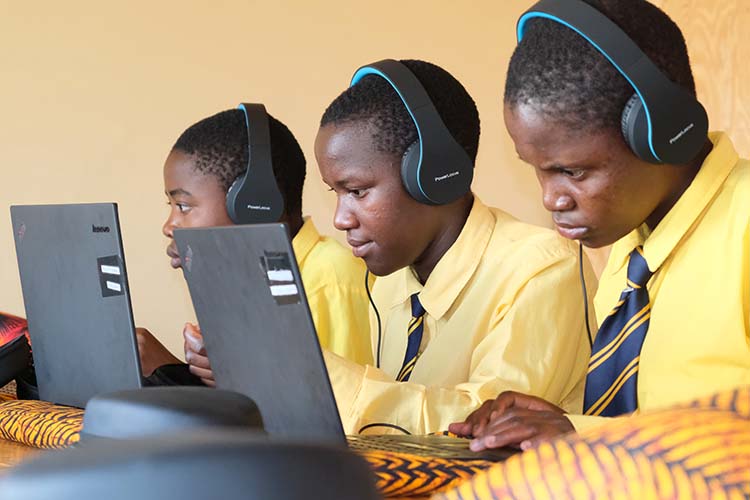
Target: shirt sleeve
<point>341,318</point>
<point>585,422</point>
<point>537,345</point>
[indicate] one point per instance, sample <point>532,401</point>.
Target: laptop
<point>260,338</point>
<point>77,300</point>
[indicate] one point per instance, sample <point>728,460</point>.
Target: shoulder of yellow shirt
<point>517,250</point>
<point>534,245</point>
<point>738,182</point>
<point>330,262</point>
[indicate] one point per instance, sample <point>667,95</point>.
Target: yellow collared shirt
<point>334,283</point>
<point>504,312</point>
<point>698,339</point>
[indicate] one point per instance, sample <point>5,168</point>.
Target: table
<point>13,453</point>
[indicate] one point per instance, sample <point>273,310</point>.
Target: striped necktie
<point>415,331</point>
<point>613,368</point>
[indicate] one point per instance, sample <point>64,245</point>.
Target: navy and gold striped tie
<point>613,368</point>
<point>416,329</point>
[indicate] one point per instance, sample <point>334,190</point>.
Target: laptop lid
<point>75,290</point>
<point>256,323</point>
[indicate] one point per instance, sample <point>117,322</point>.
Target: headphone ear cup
<point>634,126</point>
<point>410,171</point>
<point>232,198</point>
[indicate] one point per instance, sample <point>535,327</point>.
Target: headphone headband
<point>442,171</point>
<point>254,197</point>
<point>256,122</point>
<point>676,122</point>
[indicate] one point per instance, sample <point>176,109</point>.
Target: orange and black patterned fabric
<point>40,424</point>
<point>700,450</point>
<point>404,475</point>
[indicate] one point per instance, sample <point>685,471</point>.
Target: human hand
<point>513,419</point>
<point>195,355</point>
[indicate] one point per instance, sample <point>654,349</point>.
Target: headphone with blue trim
<point>662,122</point>
<point>435,169</point>
<point>254,197</point>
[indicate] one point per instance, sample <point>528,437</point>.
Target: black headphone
<point>435,169</point>
<point>257,200</point>
<point>662,122</point>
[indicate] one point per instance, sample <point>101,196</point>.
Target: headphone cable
<point>377,316</point>
<point>585,295</point>
<point>384,424</point>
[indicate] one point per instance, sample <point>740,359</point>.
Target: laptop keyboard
<point>429,446</point>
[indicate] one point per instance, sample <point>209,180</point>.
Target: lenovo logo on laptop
<point>99,229</point>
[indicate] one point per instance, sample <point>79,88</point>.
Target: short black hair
<point>558,73</point>
<point>374,101</point>
<point>219,145</point>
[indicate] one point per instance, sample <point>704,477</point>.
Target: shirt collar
<point>661,242</point>
<point>305,240</point>
<point>455,267</point>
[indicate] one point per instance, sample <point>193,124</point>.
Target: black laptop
<point>261,339</point>
<point>75,290</point>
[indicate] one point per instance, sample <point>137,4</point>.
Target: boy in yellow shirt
<point>674,299</point>
<point>470,300</point>
<point>202,165</point>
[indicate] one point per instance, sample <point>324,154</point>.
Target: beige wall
<point>93,94</point>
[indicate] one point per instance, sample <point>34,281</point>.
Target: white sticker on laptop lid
<point>280,275</point>
<point>277,267</point>
<point>110,270</point>
<point>284,290</point>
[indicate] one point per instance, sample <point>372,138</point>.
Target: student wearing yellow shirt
<point>202,165</point>
<point>673,302</point>
<point>470,300</point>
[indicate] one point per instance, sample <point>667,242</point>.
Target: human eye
<point>357,192</point>
<point>573,173</point>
